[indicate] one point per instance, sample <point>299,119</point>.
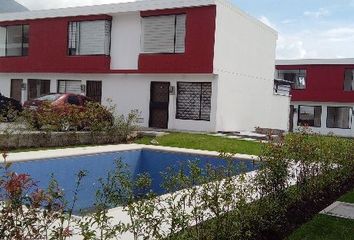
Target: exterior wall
<point>244,61</point>
<point>125,41</point>
<point>324,83</point>
<point>48,46</point>
<point>323,129</point>
<point>48,49</point>
<point>199,44</point>
<point>129,92</point>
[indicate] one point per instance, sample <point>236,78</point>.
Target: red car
<point>58,99</point>
<point>67,111</point>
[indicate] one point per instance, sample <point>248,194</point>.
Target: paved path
<point>340,209</point>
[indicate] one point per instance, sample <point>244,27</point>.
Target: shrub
<point>298,176</point>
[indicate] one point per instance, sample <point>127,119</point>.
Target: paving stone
<point>340,209</point>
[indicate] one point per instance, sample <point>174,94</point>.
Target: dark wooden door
<point>291,118</point>
<point>16,91</point>
<point>94,90</point>
<point>159,102</point>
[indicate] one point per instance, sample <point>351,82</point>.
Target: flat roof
<point>129,6</point>
<point>324,61</point>
<point>125,7</point>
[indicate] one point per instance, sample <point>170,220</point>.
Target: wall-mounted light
<point>83,88</point>
<point>23,86</point>
<point>172,90</point>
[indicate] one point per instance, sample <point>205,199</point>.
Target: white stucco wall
<point>125,41</point>
<point>244,61</point>
<point>5,86</point>
<point>323,129</point>
<point>131,91</point>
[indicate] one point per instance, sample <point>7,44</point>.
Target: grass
<point>323,227</point>
<point>348,198</point>
<point>205,142</point>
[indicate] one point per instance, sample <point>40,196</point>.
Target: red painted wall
<point>48,47</point>
<point>200,39</point>
<point>324,83</point>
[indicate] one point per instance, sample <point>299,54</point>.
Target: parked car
<point>57,100</point>
<point>9,108</point>
<point>67,111</point>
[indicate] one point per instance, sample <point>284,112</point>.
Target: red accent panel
<point>200,38</point>
<point>48,49</point>
<point>324,83</point>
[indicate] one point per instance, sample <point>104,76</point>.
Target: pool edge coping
<point>90,150</point>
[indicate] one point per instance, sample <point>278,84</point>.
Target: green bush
<point>297,177</point>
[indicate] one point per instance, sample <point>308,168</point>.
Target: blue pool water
<point>97,166</point>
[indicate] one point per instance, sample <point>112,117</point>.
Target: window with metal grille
<point>14,40</point>
<point>164,34</point>
<point>89,37</point>
<point>69,86</point>
<point>194,100</point>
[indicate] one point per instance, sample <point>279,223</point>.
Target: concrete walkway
<point>340,209</point>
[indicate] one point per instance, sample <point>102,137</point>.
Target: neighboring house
<point>199,65</point>
<point>322,94</point>
<point>7,6</point>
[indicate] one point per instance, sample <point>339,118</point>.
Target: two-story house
<point>199,65</point>
<point>322,94</point>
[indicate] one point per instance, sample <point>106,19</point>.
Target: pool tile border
<point>79,151</point>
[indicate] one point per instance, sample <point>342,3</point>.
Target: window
<point>348,80</point>
<point>297,77</point>
<point>339,117</point>
<point>89,37</point>
<point>69,86</point>
<point>38,88</point>
<point>164,34</point>
<point>310,116</point>
<point>14,40</point>
<point>193,101</point>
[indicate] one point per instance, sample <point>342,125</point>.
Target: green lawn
<point>349,197</point>
<point>205,142</point>
<point>323,227</point>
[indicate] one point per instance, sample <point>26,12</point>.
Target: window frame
<point>299,122</point>
<point>350,120</point>
<point>298,74</point>
<point>352,83</point>
<point>200,107</point>
<point>78,39</point>
<point>22,40</point>
<point>174,37</point>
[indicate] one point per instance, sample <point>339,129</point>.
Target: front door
<point>94,90</point>
<point>159,102</point>
<point>16,91</point>
<point>291,118</point>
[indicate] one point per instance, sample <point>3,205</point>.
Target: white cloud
<point>290,47</point>
<point>340,34</point>
<point>322,12</point>
<point>266,21</point>
<point>48,4</point>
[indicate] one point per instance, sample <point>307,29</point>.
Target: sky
<point>307,28</point>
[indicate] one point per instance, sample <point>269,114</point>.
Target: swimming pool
<point>138,161</point>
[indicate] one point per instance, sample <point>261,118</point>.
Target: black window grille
<point>194,100</point>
